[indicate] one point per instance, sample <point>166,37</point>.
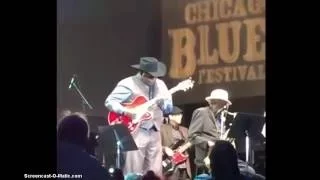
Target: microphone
<point>72,80</point>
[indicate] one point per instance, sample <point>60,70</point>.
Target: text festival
<point>222,41</point>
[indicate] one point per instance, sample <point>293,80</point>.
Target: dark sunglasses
<point>147,75</point>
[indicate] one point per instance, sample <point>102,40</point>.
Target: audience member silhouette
<point>117,174</point>
<point>133,176</point>
<point>72,159</point>
<point>150,175</point>
<point>224,163</point>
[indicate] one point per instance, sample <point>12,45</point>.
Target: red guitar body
<point>170,163</point>
<point>178,158</point>
<point>114,118</point>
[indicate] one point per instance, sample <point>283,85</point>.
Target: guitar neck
<point>184,85</point>
<point>173,90</point>
<point>153,101</point>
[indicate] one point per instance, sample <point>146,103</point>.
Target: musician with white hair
<point>207,126</point>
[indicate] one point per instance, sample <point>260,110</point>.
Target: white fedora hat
<point>219,94</point>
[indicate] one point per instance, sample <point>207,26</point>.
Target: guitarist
<point>147,136</point>
<point>205,127</point>
<point>170,134</point>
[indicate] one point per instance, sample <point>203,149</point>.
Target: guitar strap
<point>151,92</point>
<point>137,81</point>
<point>180,132</point>
<point>182,136</point>
<point>151,89</point>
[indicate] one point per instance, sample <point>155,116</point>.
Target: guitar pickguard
<point>147,116</point>
<point>114,118</point>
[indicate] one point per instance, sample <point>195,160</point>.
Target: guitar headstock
<point>185,85</point>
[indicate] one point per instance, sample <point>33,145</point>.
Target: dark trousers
<point>179,174</point>
<point>202,170</point>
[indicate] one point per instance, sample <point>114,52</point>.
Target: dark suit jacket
<point>202,129</point>
<point>167,139</point>
<point>71,159</point>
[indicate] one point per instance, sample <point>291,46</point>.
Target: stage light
<point>111,170</point>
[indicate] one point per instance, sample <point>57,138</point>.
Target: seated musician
<point>173,134</point>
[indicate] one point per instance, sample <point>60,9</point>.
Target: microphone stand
<point>84,100</point>
<point>223,118</point>
<point>247,149</point>
<point>118,148</point>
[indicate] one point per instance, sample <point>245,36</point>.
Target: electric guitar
<point>141,106</point>
<point>169,164</point>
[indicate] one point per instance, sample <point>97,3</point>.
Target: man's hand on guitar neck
<point>169,152</point>
<point>180,149</point>
<point>184,147</point>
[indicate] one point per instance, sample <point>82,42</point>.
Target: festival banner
<point>219,43</point>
